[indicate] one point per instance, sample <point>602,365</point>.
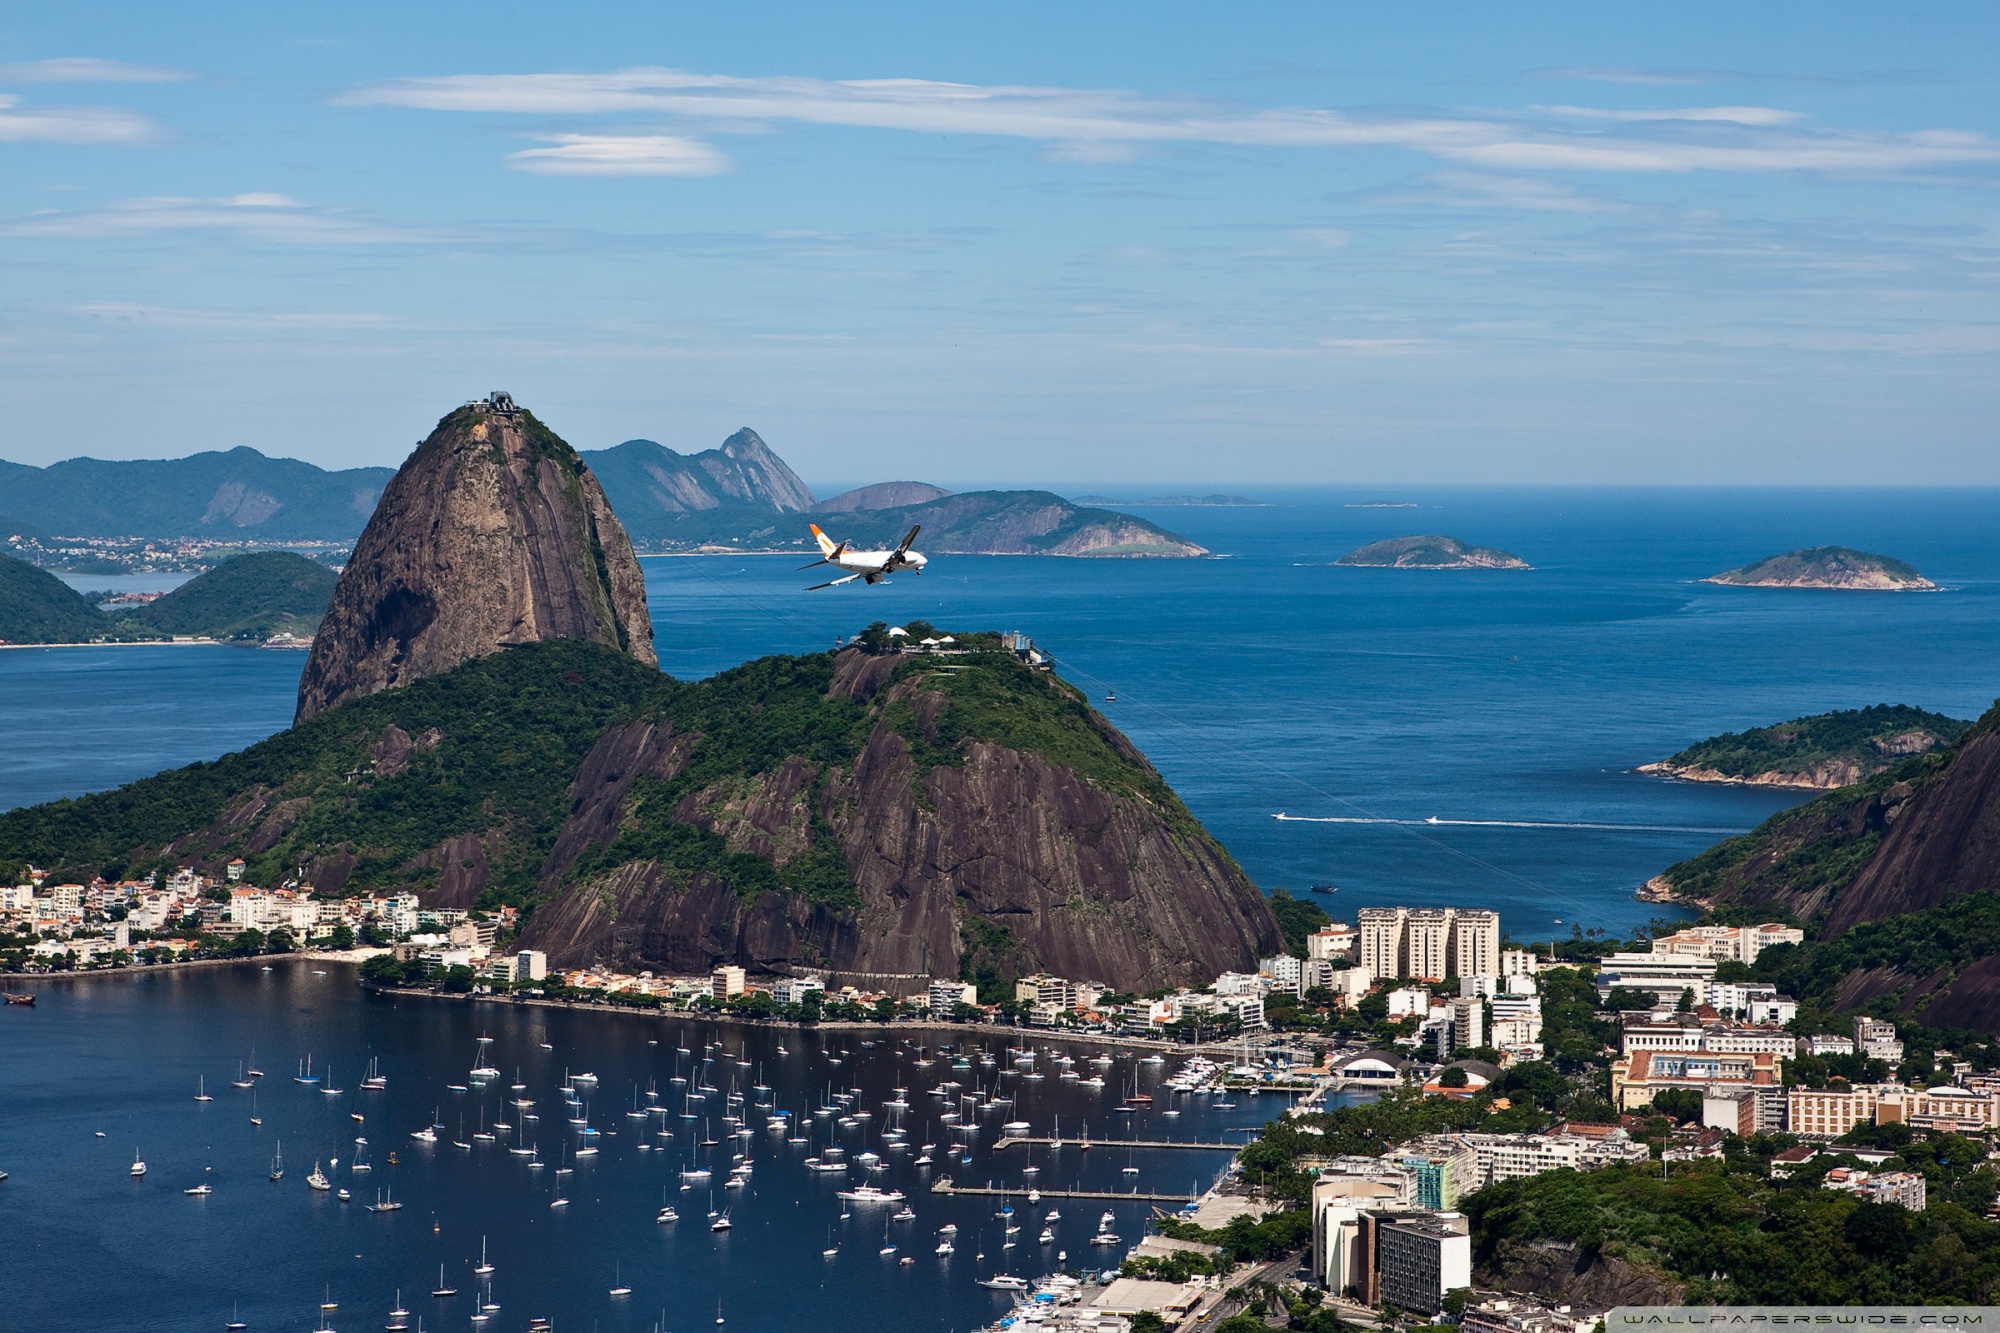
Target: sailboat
<point>618,1287</point>
<point>235,1324</point>
<point>138,1166</point>
<point>317,1180</point>
<point>242,1080</point>
<point>441,1291</point>
<point>278,1162</point>
<point>255,1119</point>
<point>201,1091</point>
<point>398,1317</point>
<point>484,1267</point>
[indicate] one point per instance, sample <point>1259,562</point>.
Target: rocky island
<point>1827,567</point>
<point>1824,751</point>
<point>1430,553</point>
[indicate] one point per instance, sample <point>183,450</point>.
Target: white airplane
<point>874,566</point>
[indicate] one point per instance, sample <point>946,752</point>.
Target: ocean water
<point>1508,706</point>
<point>92,1248</point>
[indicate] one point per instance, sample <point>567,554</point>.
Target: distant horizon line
<point>1176,489</point>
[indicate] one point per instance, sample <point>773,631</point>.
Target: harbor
<point>535,1159</point>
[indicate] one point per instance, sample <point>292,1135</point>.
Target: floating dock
<point>946,1187</point>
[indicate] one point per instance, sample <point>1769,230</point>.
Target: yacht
<point>202,1188</point>
<point>317,1180</point>
<point>138,1167</point>
<point>871,1194</point>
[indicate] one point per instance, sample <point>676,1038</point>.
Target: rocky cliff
<point>909,817</point>
<point>1895,878</point>
<point>494,533</point>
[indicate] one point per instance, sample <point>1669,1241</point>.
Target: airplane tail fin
<point>903,548</point>
<point>828,547</point>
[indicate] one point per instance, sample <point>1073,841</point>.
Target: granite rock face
<point>1004,859</point>
<point>493,534</point>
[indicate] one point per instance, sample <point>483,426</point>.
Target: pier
<point>946,1187</point>
<point>1084,1145</point>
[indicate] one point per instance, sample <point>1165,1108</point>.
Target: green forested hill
<point>248,597</point>
<point>1826,749</point>
<point>38,607</point>
<point>363,789</point>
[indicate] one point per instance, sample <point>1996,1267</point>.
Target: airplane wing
<point>903,548</point>
<point>836,583</point>
<point>814,565</point>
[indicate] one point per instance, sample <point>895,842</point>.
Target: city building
<point>1637,1078</point>
<point>1666,977</point>
<point>1045,989</point>
<point>1283,970</point>
<point>1419,1260</point>
<point>1902,1188</point>
<point>1429,943</point>
<point>1877,1040</point>
<point>1490,1158</point>
<point>726,983</point>
<point>1468,1023</point>
<point>795,990</point>
<point>1518,963</point>
<point>944,995</point>
<point>1664,1030</point>
<point>1827,1043</point>
<point>1829,1113</point>
<point>1334,940</point>
<point>1740,943</point>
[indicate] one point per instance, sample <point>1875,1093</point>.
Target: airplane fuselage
<point>876,564</point>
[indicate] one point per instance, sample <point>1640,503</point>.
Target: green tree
<point>342,937</point>
<point>456,979</point>
<point>383,969</point>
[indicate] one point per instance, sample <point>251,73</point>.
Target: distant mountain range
<point>229,496</point>
<point>739,497</point>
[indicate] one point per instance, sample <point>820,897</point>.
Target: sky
<point>1018,244</point>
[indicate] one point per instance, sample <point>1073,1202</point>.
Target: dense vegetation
<point>1819,562</point>
<point>1819,845</point>
<point>495,745</point>
<point>38,607</point>
<point>1298,918</point>
<point>1429,552</point>
<point>248,597</point>
<point>1802,743</point>
<point>1735,1236</point>
<point>490,749</point>
<point>752,720</point>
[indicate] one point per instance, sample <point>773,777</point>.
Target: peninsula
<point>256,598</point>
<point>1824,751</point>
<point>1430,553</point>
<point>1827,567</point>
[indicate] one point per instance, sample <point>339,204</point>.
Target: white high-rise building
<point>1429,947</point>
<point>1475,940</point>
<point>1468,1023</point>
<point>1383,931</point>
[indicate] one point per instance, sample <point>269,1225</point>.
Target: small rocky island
<point>1430,553</point>
<point>1827,567</point>
<point>1824,751</point>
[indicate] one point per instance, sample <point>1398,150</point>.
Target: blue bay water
<point>1510,706</point>
<point>92,1248</point>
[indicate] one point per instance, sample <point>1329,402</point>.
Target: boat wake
<point>1435,822</point>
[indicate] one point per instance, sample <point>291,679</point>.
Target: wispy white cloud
<point>273,218</point>
<point>89,69</point>
<point>72,124</point>
<point>621,155</point>
<point>1481,190</point>
<point>126,312</point>
<point>1095,124</point>
<point>1637,74</point>
<point>1728,115</point>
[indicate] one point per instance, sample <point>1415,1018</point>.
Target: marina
<point>909,1178</point>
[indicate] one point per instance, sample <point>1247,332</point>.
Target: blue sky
<point>1019,244</point>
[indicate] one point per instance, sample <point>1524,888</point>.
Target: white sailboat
<point>317,1180</point>
<point>201,1090</point>
<point>138,1166</point>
